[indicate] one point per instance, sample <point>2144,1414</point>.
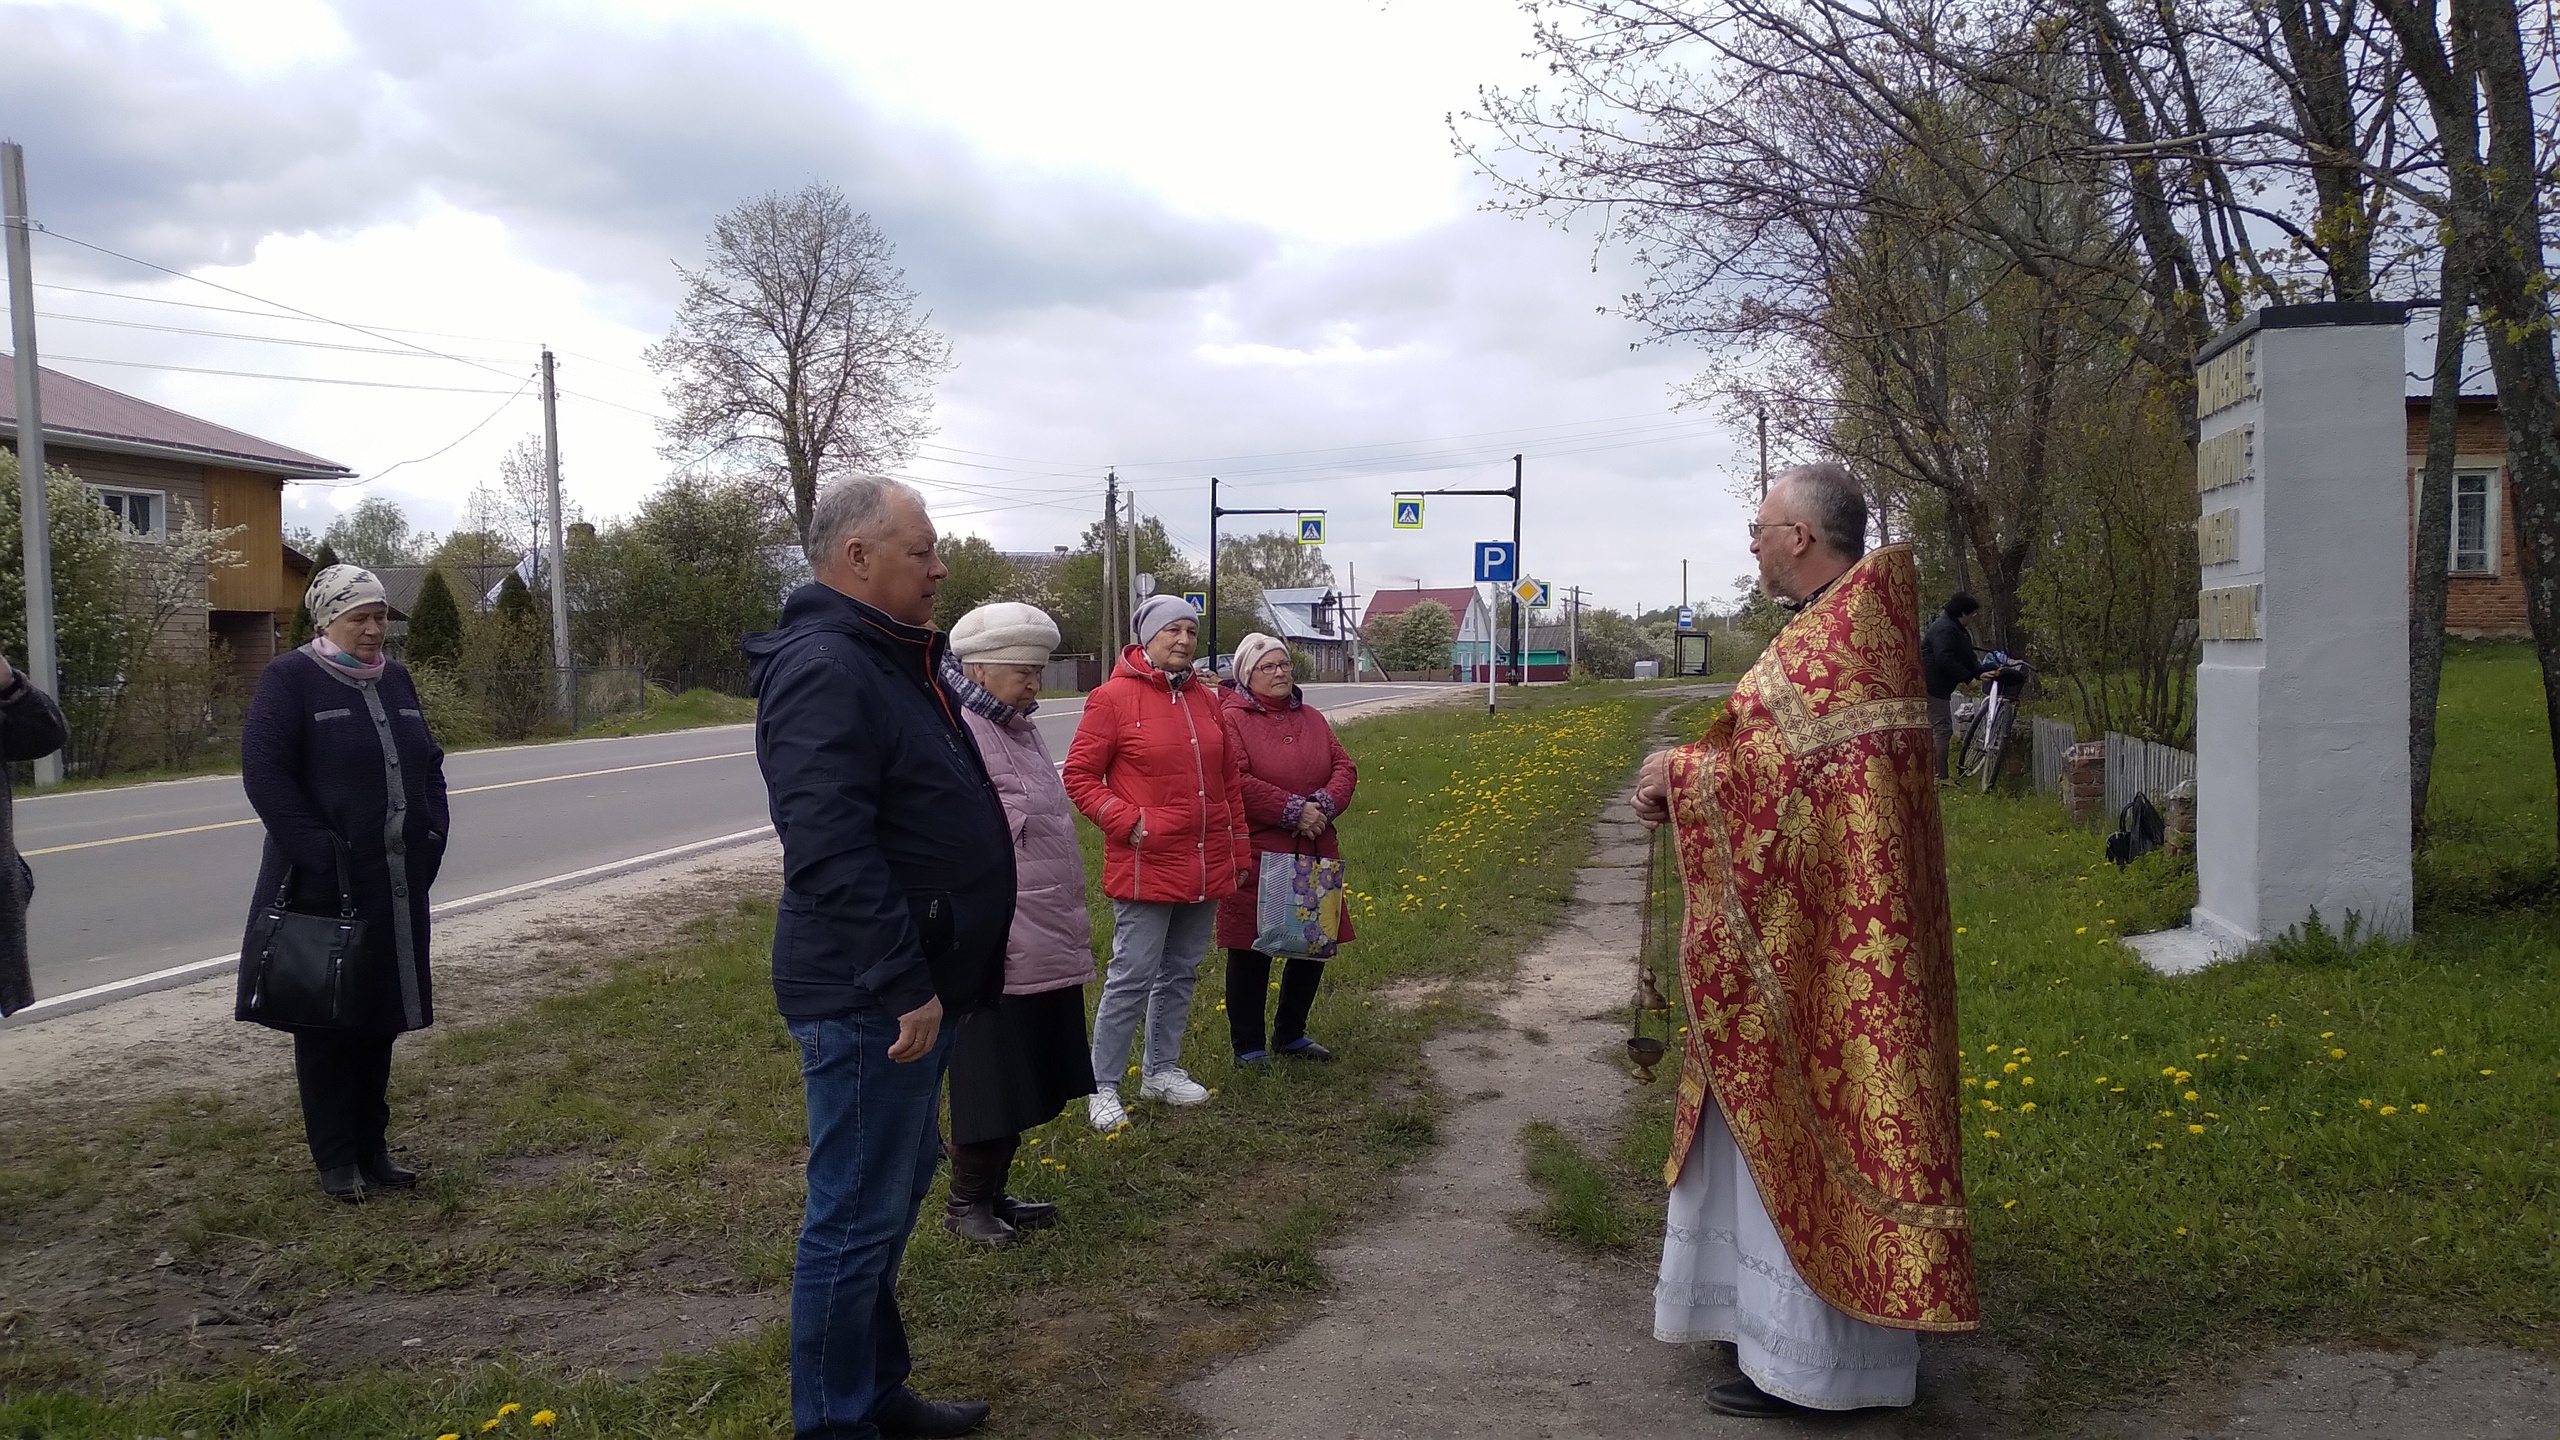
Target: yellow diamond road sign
<point>1532,593</point>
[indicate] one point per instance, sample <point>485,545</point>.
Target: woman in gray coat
<point>1019,1064</point>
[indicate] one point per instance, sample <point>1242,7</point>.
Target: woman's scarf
<point>355,669</point>
<point>977,697</point>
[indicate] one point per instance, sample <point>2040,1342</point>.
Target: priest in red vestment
<point>1817,1215</point>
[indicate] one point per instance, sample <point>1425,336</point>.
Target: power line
<point>266,375</point>
<point>456,440</point>
<point>259,339</point>
<point>260,314</point>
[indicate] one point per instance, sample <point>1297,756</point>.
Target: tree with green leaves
<point>374,533</point>
<point>435,625</point>
<point>979,573</point>
<point>1414,639</point>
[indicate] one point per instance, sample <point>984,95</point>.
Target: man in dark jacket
<point>897,895</point>
<point>1946,662</point>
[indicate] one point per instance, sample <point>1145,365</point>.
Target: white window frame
<point>159,508</point>
<point>2495,472</point>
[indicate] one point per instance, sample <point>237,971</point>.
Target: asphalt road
<point>147,886</point>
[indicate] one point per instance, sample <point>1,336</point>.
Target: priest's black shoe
<point>1739,1396</point>
<point>380,1169</point>
<point>1306,1050</point>
<point>976,1222</point>
<point>343,1182</point>
<point>904,1412</point>
<point>1026,1214</point>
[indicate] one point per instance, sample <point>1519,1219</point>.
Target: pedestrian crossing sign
<point>1311,529</point>
<point>1408,512</point>
<point>1198,599</point>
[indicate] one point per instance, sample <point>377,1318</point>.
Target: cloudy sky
<point>1179,239</point>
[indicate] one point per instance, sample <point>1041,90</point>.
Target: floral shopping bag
<point>1298,907</point>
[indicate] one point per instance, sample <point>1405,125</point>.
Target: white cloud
<point>1184,240</point>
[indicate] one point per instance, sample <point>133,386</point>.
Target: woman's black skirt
<point>1018,1065</point>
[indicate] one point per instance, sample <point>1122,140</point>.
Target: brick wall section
<point>2084,779</point>
<point>2476,607</point>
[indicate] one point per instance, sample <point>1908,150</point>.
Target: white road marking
<point>466,902</point>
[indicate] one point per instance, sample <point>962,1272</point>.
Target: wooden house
<point>151,465</point>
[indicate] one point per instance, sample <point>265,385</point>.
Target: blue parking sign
<point>1495,561</point>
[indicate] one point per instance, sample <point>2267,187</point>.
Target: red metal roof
<point>79,415</point>
<point>1395,602</point>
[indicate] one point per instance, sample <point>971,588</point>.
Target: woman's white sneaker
<point>1172,1087</point>
<point>1104,1109</point>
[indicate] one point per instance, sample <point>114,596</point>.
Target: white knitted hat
<point>1005,633</point>
<point>1252,650</point>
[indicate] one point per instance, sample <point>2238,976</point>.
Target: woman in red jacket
<point>1296,781</point>
<point>1151,767</point>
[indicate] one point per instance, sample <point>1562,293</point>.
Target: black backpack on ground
<point>2138,832</point>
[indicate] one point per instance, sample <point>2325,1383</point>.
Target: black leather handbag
<point>300,966</point>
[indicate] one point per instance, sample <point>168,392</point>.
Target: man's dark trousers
<point>874,1140</point>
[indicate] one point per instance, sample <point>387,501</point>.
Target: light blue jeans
<point>1156,950</point>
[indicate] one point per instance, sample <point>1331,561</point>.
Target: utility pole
<point>564,678</point>
<point>34,523</point>
<point>1573,631</point>
<point>1764,452</point>
<point>1519,657</point>
<point>1135,599</point>
<point>1112,638</point>
<point>1351,607</point>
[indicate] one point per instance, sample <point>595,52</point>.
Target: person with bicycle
<point>1947,662</point>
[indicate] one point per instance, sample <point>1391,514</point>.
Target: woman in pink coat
<point>1297,780</point>
<point>1018,1065</point>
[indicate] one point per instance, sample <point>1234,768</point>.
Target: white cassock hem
<point>1726,1276</point>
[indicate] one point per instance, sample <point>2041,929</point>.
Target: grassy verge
<point>2324,1142</point>
<point>690,710</point>
<point>640,1140</point>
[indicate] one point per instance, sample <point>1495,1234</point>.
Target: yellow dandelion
<point>2336,1053</point>
<point>488,1425</point>
<point>2154,1145</point>
<point>2437,1053</point>
<point>1990,1084</point>
<point>1990,1134</point>
<point>1992,1106</point>
<point>2488,1072</point>
<point>2191,1097</point>
<point>2420,1108</point>
<point>1960,930</point>
<point>2390,1109</point>
<point>2008,1204</point>
<point>2102,1080</point>
<point>2009,1069</point>
<point>2029,1106</point>
<point>2083,930</point>
<point>2168,1069</point>
<point>2182,1229</point>
<point>2367,1104</point>
<point>545,1419</point>
<point>2195,1129</point>
<point>508,1409</point>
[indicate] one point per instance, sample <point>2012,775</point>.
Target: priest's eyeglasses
<point>1754,527</point>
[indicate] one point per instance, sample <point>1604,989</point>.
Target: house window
<point>2475,522</point>
<point>143,512</point>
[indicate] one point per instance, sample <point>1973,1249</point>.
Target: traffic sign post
<point>1509,557</point>
<point>1408,512</point>
<point>1217,512</point>
<point>1311,529</point>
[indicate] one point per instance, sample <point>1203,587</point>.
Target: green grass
<point>690,710</point>
<point>1585,1204</point>
<point>642,1138</point>
<point>2127,1234</point>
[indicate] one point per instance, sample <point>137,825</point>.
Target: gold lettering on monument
<point>2227,458</point>
<point>2218,537</point>
<point>2228,612</point>
<point>2227,378</point>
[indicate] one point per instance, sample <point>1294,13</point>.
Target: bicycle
<point>1986,735</point>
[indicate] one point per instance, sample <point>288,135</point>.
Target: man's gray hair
<point>1832,502</point>
<point>854,505</point>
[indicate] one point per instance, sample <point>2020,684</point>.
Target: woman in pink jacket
<point>1151,769</point>
<point>1018,1065</point>
<point>1296,781</point>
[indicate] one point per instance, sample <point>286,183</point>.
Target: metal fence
<point>2053,742</point>
<point>2139,767</point>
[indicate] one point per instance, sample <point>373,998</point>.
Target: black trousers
<point>978,1171</point>
<point>1249,984</point>
<point>345,1080</point>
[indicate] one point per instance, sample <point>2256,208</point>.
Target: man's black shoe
<point>1026,1214</point>
<point>380,1169</point>
<point>343,1182</point>
<point>904,1412</point>
<point>1306,1050</point>
<point>1739,1396</point>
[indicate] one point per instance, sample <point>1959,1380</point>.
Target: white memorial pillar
<point>2302,702</point>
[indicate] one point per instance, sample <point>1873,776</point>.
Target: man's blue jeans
<point>874,1140</point>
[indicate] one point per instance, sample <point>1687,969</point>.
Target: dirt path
<point>1449,1319</point>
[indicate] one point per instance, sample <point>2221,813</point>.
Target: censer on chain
<point>1657,952</point>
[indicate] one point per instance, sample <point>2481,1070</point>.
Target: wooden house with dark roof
<point>151,465</point>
